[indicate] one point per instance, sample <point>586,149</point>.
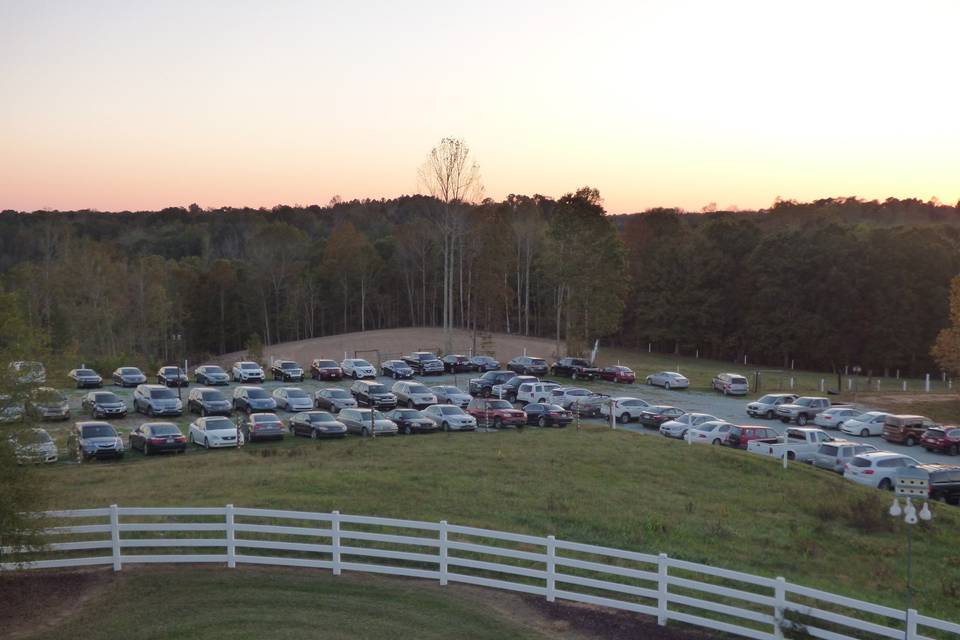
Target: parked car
<point>508,390</point>
<point>321,369</point>
<point>942,440</point>
<point>246,371</point>
<point>731,384</point>
<point>714,432</point>
<point>572,396</point>
<point>575,369</point>
<point>29,372</point>
<point>358,421</point>
<point>590,406</point>
<point>906,430</point>
<point>396,369</point>
<point>249,399</point>
<point>316,425</point>
<point>450,417</point>
<point>766,407</point>
<point>208,402</point>
<point>528,366</point>
<point>157,437</point>
<point>172,377</point>
<point>215,432</point>
<point>802,410</point>
<point>156,400</point>
<point>944,482</point>
<point>292,399</point>
<point>34,446</point>
<point>835,455</point>
<point>11,410</point>
<point>626,409</point>
<point>424,363</point>
<point>334,399</point>
<point>451,395</point>
<point>877,469</point>
<point>456,363</point>
<point>742,435</point>
<point>798,443</point>
<point>210,374</point>
<point>373,394</point>
<point>834,417</point>
<point>45,403</point>
<point>85,378</point>
<point>866,424</point>
<point>413,395</point>
<point>128,377</point>
<point>618,373</point>
<point>262,426</point>
<point>410,421</point>
<point>535,391</point>
<point>482,364</point>
<point>98,440</point>
<point>547,415</point>
<point>678,427</point>
<point>496,413</point>
<point>287,371</point>
<point>483,386</point>
<point>668,380</point>
<point>357,368</point>
<point>104,405</point>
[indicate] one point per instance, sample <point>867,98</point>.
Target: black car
<point>547,415</point>
<point>944,482</point>
<point>287,371</point>
<point>172,377</point>
<point>483,386</point>
<point>424,363</point>
<point>316,425</point>
<point>410,421</point>
<point>657,415</point>
<point>455,363</point>
<point>104,404</point>
<point>575,368</point>
<point>157,437</point>
<point>528,366</point>
<point>208,402</point>
<point>396,369</point>
<point>483,363</point>
<point>508,389</point>
<point>210,374</point>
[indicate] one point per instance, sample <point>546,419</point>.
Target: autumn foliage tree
<point>946,349</point>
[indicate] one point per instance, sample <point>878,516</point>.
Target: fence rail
<point>657,585</point>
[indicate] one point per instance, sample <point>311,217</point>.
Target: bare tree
<point>450,175</point>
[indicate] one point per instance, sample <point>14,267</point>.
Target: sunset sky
<point>142,105</point>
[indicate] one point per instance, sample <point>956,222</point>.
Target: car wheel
<point>666,386</point>
<point>716,441</point>
<point>206,442</point>
<point>624,418</point>
<point>683,435</point>
<point>542,421</point>
<point>203,412</point>
<point>146,449</point>
<point>910,441</point>
<point>791,455</point>
<point>542,400</point>
<point>355,375</point>
<point>410,404</point>
<point>445,426</point>
<point>407,430</point>
<point>769,414</point>
<point>314,434</point>
<point>801,419</point>
<point>954,450</point>
<point>886,484</point>
<point>364,432</point>
<point>497,423</point>
<point>864,433</point>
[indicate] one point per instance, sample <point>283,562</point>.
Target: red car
<point>942,439</point>
<point>325,370</point>
<point>618,374</point>
<point>740,436</point>
<point>495,413</point>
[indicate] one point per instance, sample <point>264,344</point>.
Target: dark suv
<point>944,482</point>
<point>373,394</point>
<point>528,366</point>
<point>287,371</point>
<point>575,368</point>
<point>483,386</point>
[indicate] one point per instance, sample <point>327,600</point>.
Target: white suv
<point>877,469</point>
<point>413,394</point>
<point>246,371</point>
<point>535,391</point>
<point>358,368</point>
<point>624,409</point>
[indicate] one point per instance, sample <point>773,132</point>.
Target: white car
<point>867,424</point>
<point>292,399</point>
<point>451,395</point>
<point>678,427</point>
<point>214,432</point>
<point>711,432</point>
<point>624,409</point>
<point>877,469</point>
<point>357,368</point>
<point>766,407</point>
<point>450,418</point>
<point>571,396</point>
<point>535,392</point>
<point>834,417</point>
<point>246,371</point>
<point>668,380</point>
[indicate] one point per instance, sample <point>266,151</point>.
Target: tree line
<point>833,283</point>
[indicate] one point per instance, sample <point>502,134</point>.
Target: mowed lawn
<point>616,488</point>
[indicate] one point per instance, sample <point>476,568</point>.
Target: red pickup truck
<point>496,413</point>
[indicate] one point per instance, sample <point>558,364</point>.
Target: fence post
<point>115,536</point>
<point>231,538</point>
<point>911,624</point>
<point>335,541</point>
<point>779,605</point>
<point>551,568</point>
<point>443,552</point>
<point>662,589</point>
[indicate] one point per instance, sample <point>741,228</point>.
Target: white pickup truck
<point>798,443</point>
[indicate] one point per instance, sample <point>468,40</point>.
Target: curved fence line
<point>670,589</point>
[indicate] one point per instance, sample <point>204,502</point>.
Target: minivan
<point>906,429</point>
<point>731,384</point>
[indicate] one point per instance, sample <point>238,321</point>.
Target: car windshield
<point>326,363</point>
<point>338,393</point>
<point>49,395</point>
<point>86,372</point>
<point>220,424</point>
<point>249,365</point>
<point>552,407</point>
<point>738,380</point>
<point>498,404</point>
<point>267,419</point>
<point>936,433</point>
<point>860,462</point>
<point>377,388</point>
<point>767,400</point>
<point>162,394</point>
<point>257,394</point>
<point>361,363</point>
<point>99,431</point>
<point>482,359</point>
<point>448,390</point>
<point>409,414</point>
<point>452,411</point>
<point>170,371</point>
<point>321,416</point>
<point>289,365</point>
<point>418,388</point>
<point>105,398</point>
<point>297,393</point>
<point>213,396</point>
<point>538,361</point>
<point>212,370</point>
<point>34,437</point>
<point>165,430</point>
<point>129,371</point>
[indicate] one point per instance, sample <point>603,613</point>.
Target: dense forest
<point>824,284</point>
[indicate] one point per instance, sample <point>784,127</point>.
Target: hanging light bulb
<point>895,509</point>
<point>925,514</point>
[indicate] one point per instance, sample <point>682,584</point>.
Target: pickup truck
<point>797,444</point>
<point>802,410</point>
<point>424,363</point>
<point>575,368</point>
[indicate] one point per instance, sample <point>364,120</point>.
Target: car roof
<point>877,455</point>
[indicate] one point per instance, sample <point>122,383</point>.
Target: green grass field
<point>616,488</point>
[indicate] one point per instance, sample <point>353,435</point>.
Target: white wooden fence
<point>656,585</point>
